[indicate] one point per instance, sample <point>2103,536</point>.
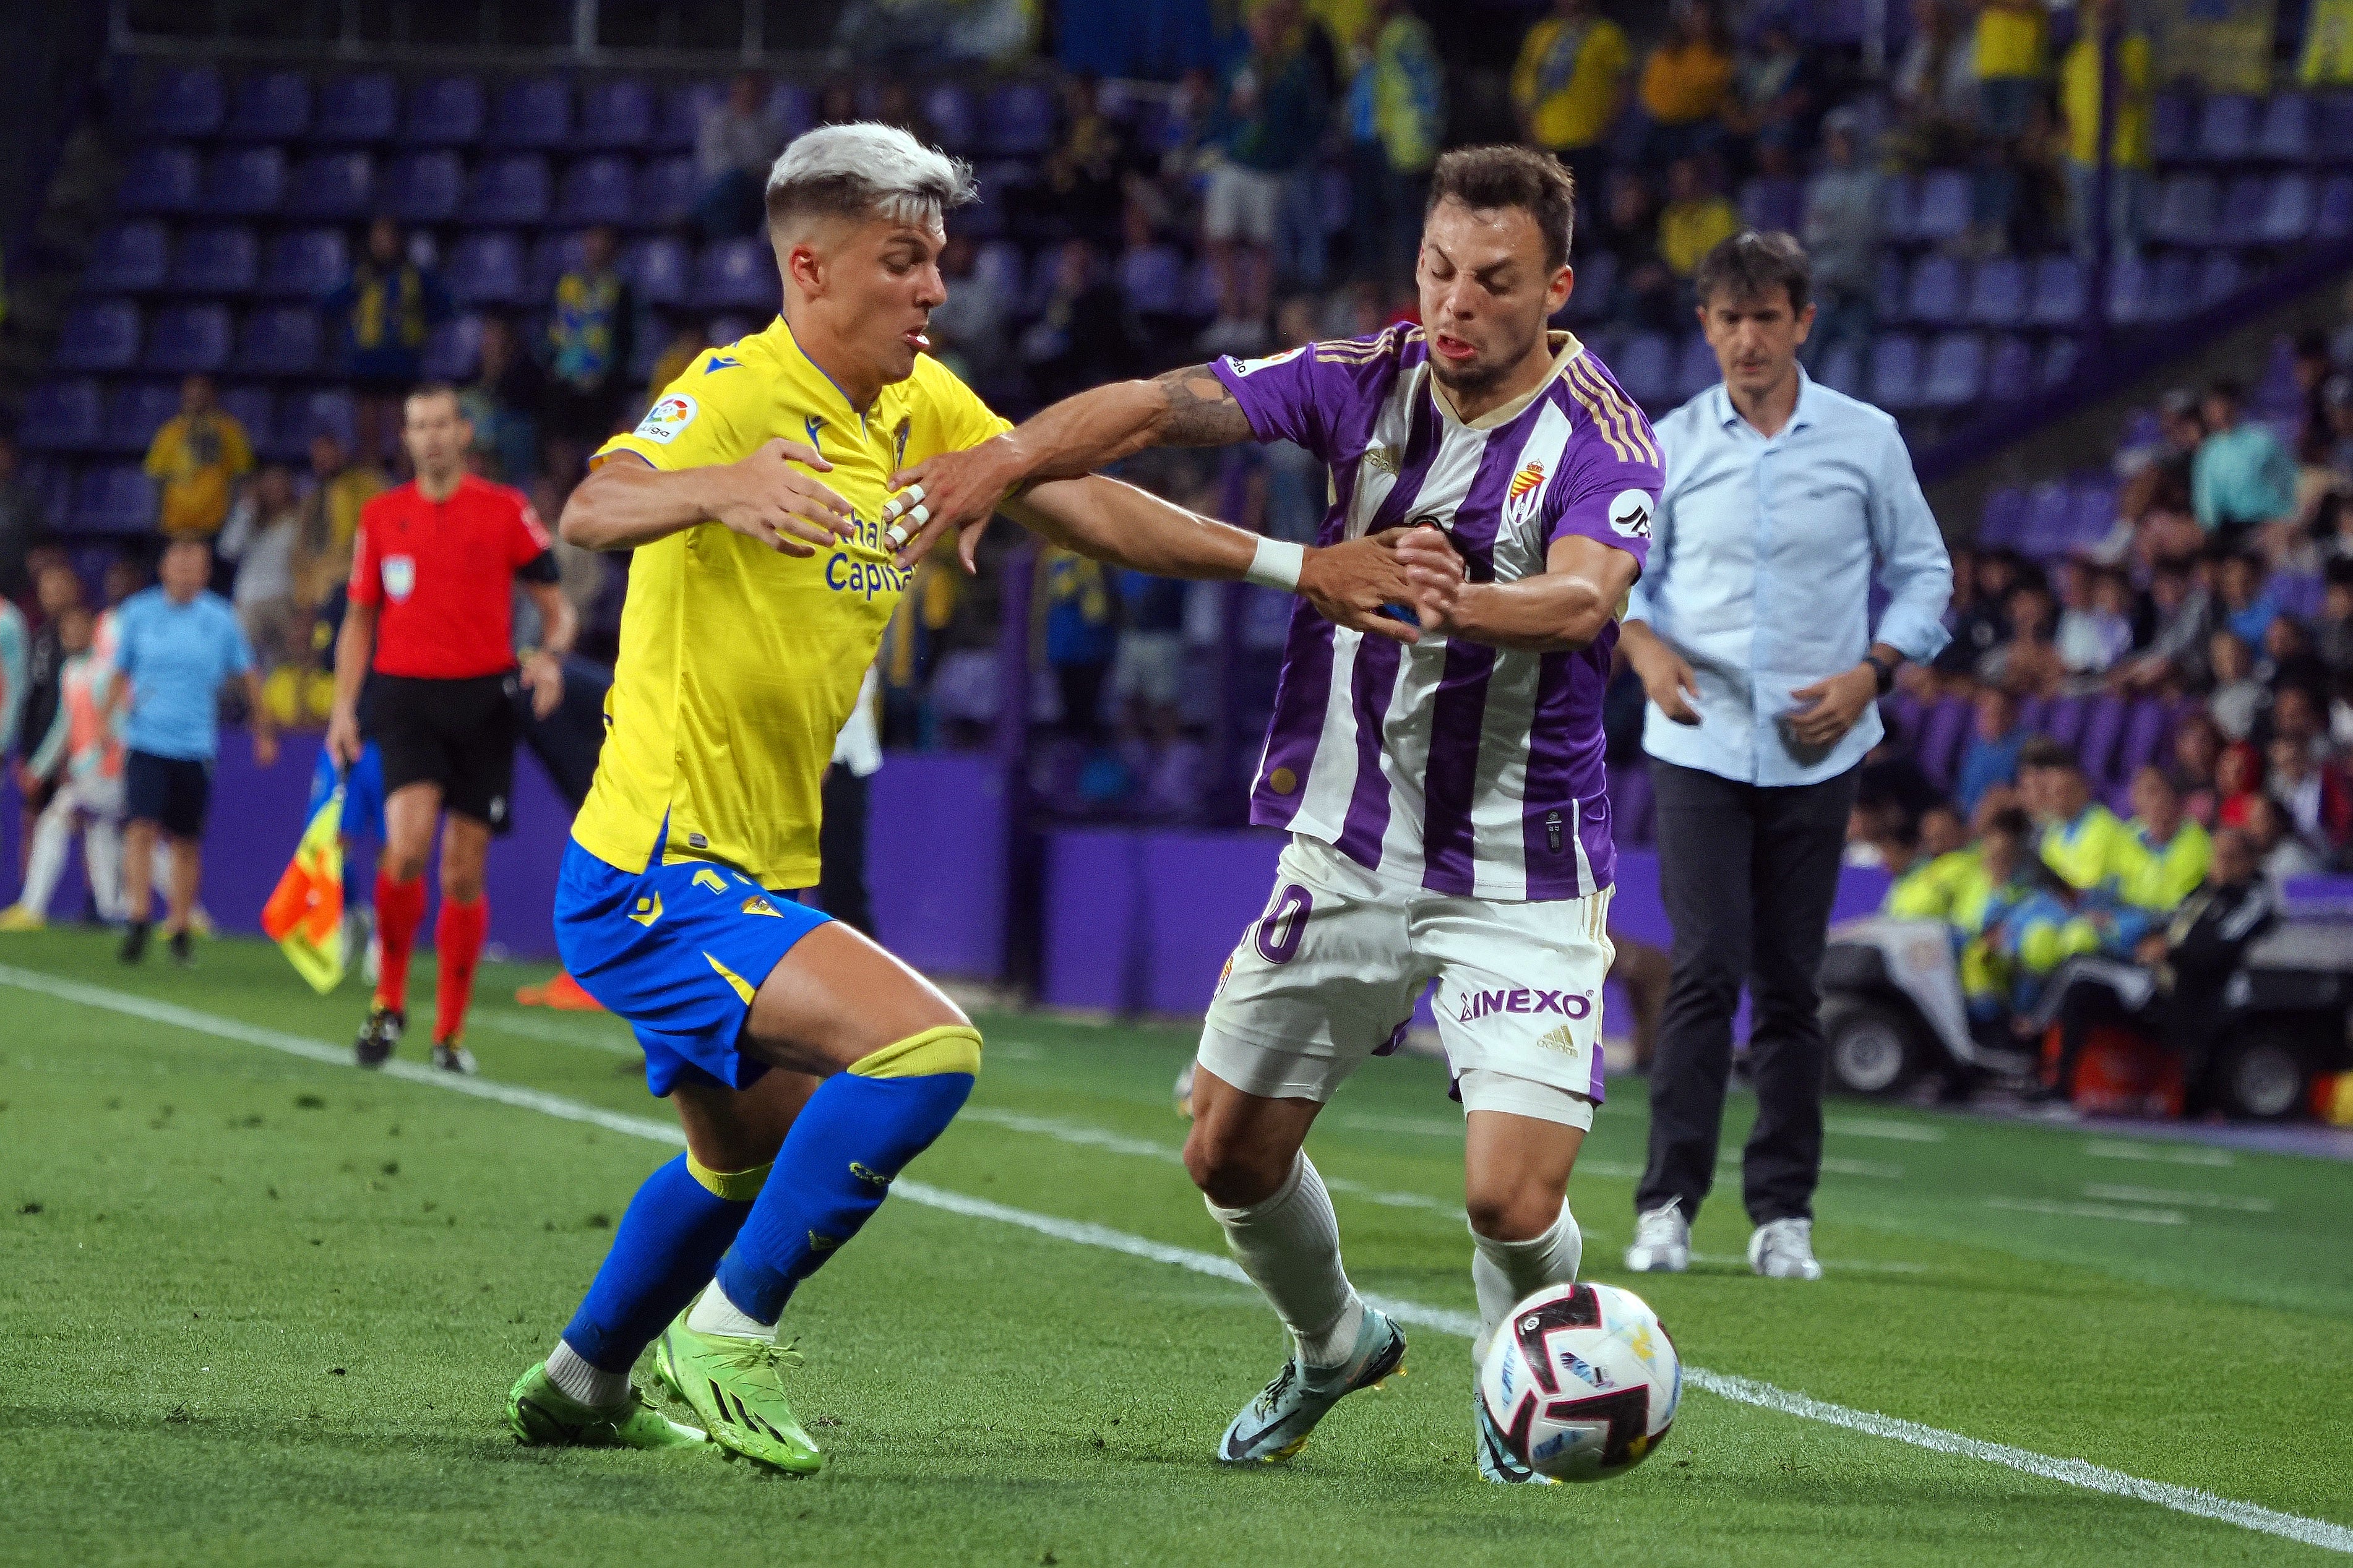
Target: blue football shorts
<point>362,792</point>
<point>678,950</point>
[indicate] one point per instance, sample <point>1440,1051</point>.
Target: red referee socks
<point>458,943</point>
<point>400,910</point>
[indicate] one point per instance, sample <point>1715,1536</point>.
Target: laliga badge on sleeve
<point>667,417</point>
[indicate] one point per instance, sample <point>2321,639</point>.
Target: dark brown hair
<point>1755,265</point>
<point>2047,752</point>
<point>1485,178</point>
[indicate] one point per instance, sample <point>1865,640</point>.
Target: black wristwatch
<point>1886,672</point>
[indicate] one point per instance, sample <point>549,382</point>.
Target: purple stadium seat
<point>2145,736</point>
<point>660,271</point>
<point>1152,276</point>
<point>2065,720</point>
<point>1895,371</point>
<point>1646,369</point>
<point>2009,370</point>
<point>356,108</point>
<point>1633,806</point>
<point>332,185</point>
<point>304,262</point>
<point>256,408</point>
<point>2130,291</point>
<point>535,111</point>
<point>487,268</point>
<point>62,417</point>
<point>682,110</point>
<point>128,259</point>
<point>183,100</point>
<point>1695,369</point>
<point>597,190</point>
<point>2186,209</point>
<point>1944,731</point>
<point>2226,128</point>
<point>2104,727</point>
<point>216,260</point>
<point>2286,136</point>
<point>2059,356</point>
<point>2220,276</point>
<point>1944,205</point>
<point>308,414</point>
<point>1899,208</point>
<point>98,334</point>
<point>114,497</point>
<point>2003,523</point>
<point>552,254</point>
<point>183,339</point>
<point>1020,122</point>
<point>1997,293</point>
<point>738,273</point>
<point>1935,293</point>
<point>1957,371</point>
<point>2334,218</point>
<point>2173,288</point>
<point>1842,369</point>
<point>2172,126</point>
<point>2061,295</point>
<point>268,106</point>
<point>508,190</point>
<point>159,180</point>
<point>793,108</point>
<point>1000,266</point>
<point>135,412</point>
<point>949,107</point>
<point>2245,200</point>
<point>1892,297</point>
<point>245,182</point>
<point>453,351</point>
<point>665,192</point>
<point>1770,204</point>
<point>283,340</point>
<point>616,114</point>
<point>443,112</point>
<point>2287,212</point>
<point>1597,279</point>
<point>2050,510</point>
<point>2332,115</point>
<point>422,188</point>
<point>2032,713</point>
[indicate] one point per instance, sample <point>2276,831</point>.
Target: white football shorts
<point>1329,974</point>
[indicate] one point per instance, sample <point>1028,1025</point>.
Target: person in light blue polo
<point>1752,632</point>
<point>176,644</point>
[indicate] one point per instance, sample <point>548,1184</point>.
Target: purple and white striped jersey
<point>1450,766</point>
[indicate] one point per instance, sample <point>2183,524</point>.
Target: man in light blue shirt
<point>2242,475</point>
<point>175,647</point>
<point>1751,631</point>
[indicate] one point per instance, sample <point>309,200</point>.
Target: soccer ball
<point>1582,1381</point>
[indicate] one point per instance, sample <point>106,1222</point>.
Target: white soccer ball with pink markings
<point>1582,1381</point>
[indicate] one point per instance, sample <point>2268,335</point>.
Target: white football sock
<point>1507,1273</point>
<point>592,1385</point>
<point>1289,1244</point>
<point>713,1314</point>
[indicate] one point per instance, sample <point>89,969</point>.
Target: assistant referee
<point>434,572</point>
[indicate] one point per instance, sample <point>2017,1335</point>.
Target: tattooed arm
<point>1188,407</point>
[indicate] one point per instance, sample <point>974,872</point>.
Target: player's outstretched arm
<point>1188,407</point>
<point>627,501</point>
<point>1563,607</point>
<point>1108,520</point>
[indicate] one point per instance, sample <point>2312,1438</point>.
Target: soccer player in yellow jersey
<point>807,1065</point>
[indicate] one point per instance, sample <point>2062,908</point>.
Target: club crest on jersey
<point>399,577</point>
<point>1526,492</point>
<point>1630,513</point>
<point>1250,366</point>
<point>667,417</point>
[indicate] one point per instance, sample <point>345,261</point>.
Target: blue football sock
<point>855,1132</point>
<point>669,1241</point>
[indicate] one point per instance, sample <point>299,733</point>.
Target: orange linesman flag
<point>305,914</point>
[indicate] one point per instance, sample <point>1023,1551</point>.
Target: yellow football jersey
<point>738,664</point>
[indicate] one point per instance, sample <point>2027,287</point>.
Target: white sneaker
<point>1662,1240</point>
<point>1784,1250</point>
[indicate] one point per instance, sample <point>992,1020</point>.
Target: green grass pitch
<point>259,1309</point>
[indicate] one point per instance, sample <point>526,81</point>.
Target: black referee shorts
<point>459,734</point>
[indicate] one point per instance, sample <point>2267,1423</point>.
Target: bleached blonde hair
<point>866,170</point>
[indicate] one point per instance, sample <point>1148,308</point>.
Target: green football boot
<point>544,1415</point>
<point>736,1388</point>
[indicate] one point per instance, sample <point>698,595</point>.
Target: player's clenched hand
<point>764,498</point>
<point>1349,583</point>
<point>1435,572</point>
<point>949,490</point>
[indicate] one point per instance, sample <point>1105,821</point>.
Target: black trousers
<point>1749,873</point>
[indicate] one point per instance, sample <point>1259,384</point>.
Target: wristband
<point>1276,565</point>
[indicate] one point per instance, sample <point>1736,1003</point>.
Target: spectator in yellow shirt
<point>2327,45</point>
<point>2010,41</point>
<point>196,459</point>
<point>1687,85</point>
<point>2081,85</point>
<point>1694,221</point>
<point>331,519</point>
<point>1569,87</point>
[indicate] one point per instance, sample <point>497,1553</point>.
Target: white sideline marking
<point>1880,1127</point>
<point>2124,1194</point>
<point>2078,1473</point>
<point>2088,1211</point>
<point>552,1030</point>
<point>2158,1154</point>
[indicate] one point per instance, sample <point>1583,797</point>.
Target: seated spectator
<point>2283,855</point>
<point>2299,715</point>
<point>2336,639</point>
<point>1269,120</point>
<point>1148,672</point>
<point>2158,476</point>
<point>2332,527</point>
<point>2238,783</point>
<point>2095,626</point>
<point>2289,659</point>
<point>1081,627</point>
<point>1086,334</point>
<point>2174,655</point>
<point>1086,172</point>
<point>331,518</point>
<point>2241,476</point>
<point>1396,119</point>
<point>24,524</point>
<point>196,459</point>
<point>733,147</point>
<point>2095,857</point>
<point>1645,296</point>
<point>967,329</point>
<point>2012,36</point>
<point>2336,397</point>
<point>1695,220</point>
<point>1687,84</point>
<point>2082,76</point>
<point>1991,757</point>
<point>2197,749</point>
<point>1892,777</point>
<point>2028,664</point>
<point>1844,205</point>
<point>686,340</point>
<point>378,320</point>
<point>2316,796</point>
<point>1981,612</point>
<point>590,321</point>
<point>263,528</point>
<point>2328,58</point>
<point>2238,699</point>
<point>1569,87</point>
<point>1935,85</point>
<point>1773,97</point>
<point>502,403</point>
<point>2249,600</point>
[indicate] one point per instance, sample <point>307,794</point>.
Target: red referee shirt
<point>443,573</point>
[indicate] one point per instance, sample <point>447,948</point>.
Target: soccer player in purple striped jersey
<point>1445,796</point>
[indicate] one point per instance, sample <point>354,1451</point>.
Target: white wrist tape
<point>1276,565</point>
